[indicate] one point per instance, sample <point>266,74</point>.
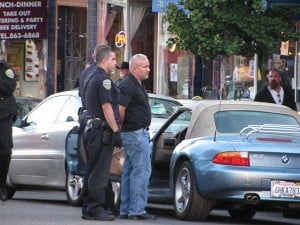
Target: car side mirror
<point>23,123</point>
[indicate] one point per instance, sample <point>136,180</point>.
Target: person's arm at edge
<point>122,111</point>
<point>110,116</point>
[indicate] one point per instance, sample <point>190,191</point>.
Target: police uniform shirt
<point>8,83</point>
<point>85,74</point>
<point>134,98</point>
<point>100,89</point>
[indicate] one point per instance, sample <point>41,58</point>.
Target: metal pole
<point>255,74</point>
<point>296,66</point>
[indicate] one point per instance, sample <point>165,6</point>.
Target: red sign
<point>21,19</point>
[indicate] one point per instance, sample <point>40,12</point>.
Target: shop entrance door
<point>72,30</point>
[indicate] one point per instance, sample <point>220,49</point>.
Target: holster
<point>99,124</point>
<point>82,119</point>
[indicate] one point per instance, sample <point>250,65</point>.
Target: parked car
<point>38,156</point>
<point>238,155</point>
<point>25,105</point>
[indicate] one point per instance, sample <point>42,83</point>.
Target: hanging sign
<point>120,39</point>
<point>23,19</point>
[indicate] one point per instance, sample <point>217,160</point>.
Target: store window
<point>26,57</point>
<point>174,68</point>
<point>238,82</point>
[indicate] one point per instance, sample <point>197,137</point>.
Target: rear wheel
<point>74,184</point>
<point>116,189</point>
<point>188,203</point>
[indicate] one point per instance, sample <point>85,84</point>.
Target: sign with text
<point>23,19</point>
<point>120,39</point>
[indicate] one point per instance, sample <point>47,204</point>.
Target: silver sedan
<point>39,155</point>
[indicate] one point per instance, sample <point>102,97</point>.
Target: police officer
<point>83,80</point>
<point>101,133</point>
<point>8,113</point>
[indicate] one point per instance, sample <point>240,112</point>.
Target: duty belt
<point>94,123</point>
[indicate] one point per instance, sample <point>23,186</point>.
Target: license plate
<point>285,189</point>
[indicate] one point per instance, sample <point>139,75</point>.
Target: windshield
<point>162,108</point>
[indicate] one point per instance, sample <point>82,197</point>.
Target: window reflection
<point>47,112</point>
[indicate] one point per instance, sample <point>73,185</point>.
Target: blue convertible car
<point>238,155</point>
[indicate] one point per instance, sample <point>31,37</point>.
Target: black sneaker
<point>101,215</point>
<point>3,193</point>
<point>144,216</point>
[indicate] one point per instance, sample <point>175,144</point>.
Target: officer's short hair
<point>101,52</point>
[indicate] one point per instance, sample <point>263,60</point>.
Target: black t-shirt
<point>134,98</point>
<point>8,83</point>
<point>100,89</point>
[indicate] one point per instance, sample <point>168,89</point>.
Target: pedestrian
<point>124,71</point>
<point>135,117</point>
<point>275,92</point>
<point>101,132</point>
<point>8,114</point>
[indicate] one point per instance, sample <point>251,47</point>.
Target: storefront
<point>183,75</point>
<point>50,48</point>
<point>175,70</point>
<point>128,27</point>
<point>23,43</point>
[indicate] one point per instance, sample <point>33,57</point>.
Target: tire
<point>74,184</point>
<point>188,203</point>
<point>244,212</point>
<point>74,189</point>
<point>116,187</point>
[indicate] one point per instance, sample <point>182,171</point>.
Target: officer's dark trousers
<point>97,171</point>
<point>5,148</point>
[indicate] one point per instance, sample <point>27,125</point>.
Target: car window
<point>47,112</point>
<point>162,108</point>
<point>25,106</point>
<point>235,121</point>
<point>180,123</point>
<point>69,111</point>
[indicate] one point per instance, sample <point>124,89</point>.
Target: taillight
<point>232,158</point>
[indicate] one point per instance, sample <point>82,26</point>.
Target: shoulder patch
<point>9,73</point>
<point>106,84</point>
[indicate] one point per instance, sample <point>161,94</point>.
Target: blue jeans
<point>136,172</point>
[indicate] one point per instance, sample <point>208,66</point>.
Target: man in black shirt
<point>124,71</point>
<point>135,117</point>
<point>274,92</point>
